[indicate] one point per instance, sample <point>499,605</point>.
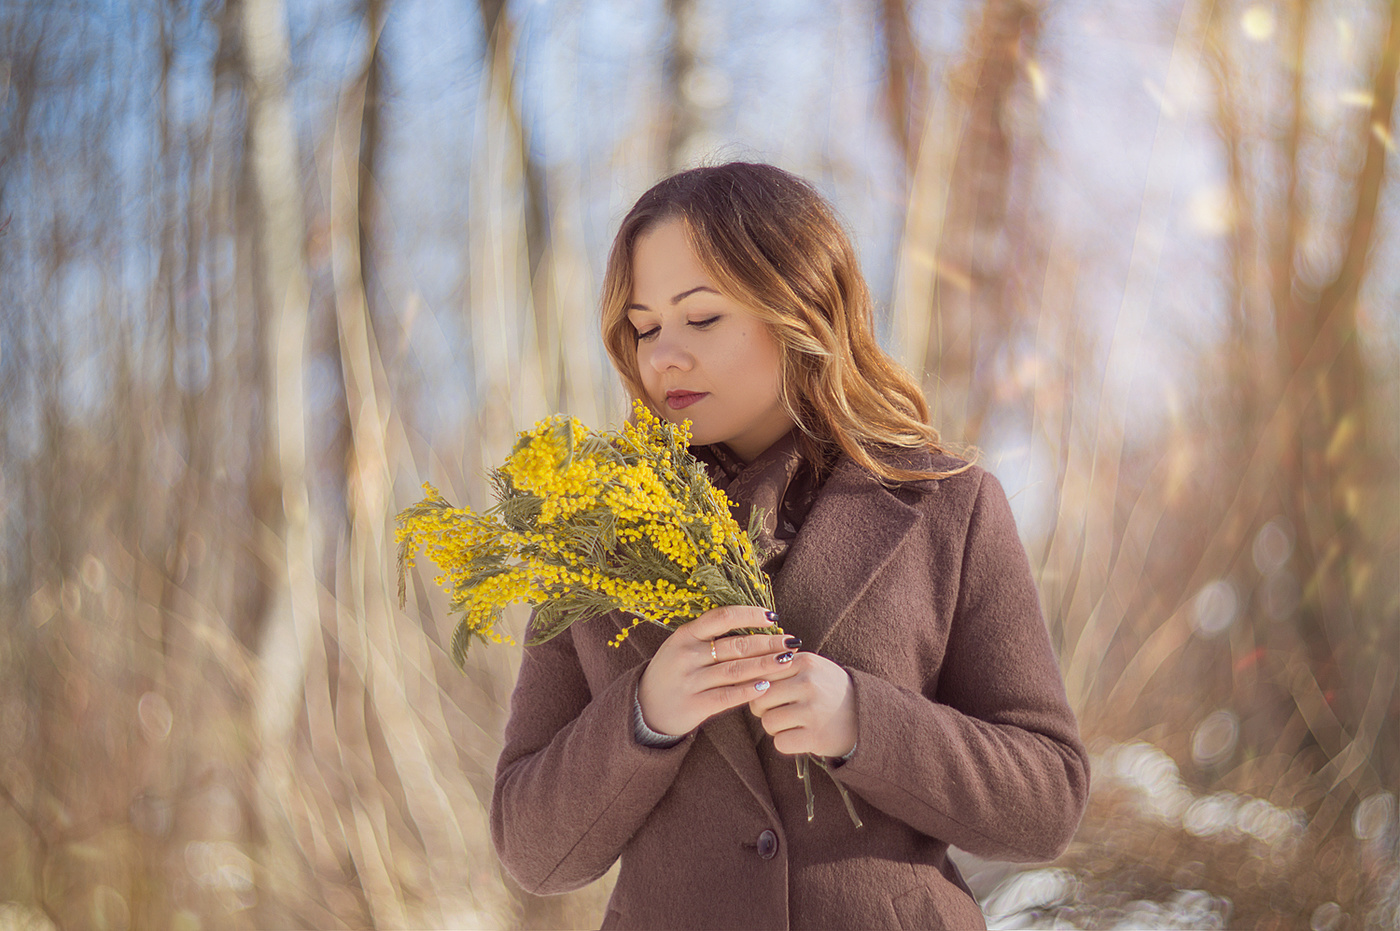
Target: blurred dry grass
<point>212,711</point>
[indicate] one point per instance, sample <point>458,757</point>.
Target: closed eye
<point>705,324</point>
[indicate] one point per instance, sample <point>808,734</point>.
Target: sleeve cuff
<point>645,735</point>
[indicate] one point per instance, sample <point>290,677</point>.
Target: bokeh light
<point>1258,22</point>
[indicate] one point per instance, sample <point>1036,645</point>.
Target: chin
<point>698,435</point>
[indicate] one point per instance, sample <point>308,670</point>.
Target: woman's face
<point>702,356</point>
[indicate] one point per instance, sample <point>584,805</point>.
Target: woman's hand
<point>812,710</point>
<point>685,683</point>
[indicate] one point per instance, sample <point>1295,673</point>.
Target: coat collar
<point>854,528</point>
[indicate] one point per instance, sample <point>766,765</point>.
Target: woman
<point>913,653</point>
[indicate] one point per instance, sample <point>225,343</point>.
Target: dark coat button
<point>767,845</point>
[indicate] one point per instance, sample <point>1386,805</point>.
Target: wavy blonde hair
<point>771,243</point>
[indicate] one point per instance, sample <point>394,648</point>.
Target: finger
<point>790,688</point>
<point>785,690</point>
<point>784,717</point>
<point>773,667</point>
<point>717,622</point>
<point>724,649</point>
<point>795,681</point>
<point>724,697</point>
<point>794,740</point>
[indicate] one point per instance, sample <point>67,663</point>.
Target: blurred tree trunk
<point>976,263</point>
<point>359,108</point>
<point>683,120</point>
<point>21,45</point>
<point>956,274</point>
<point>501,50</point>
<point>250,377</point>
<point>906,80</point>
<point>155,768</point>
<point>171,202</point>
<point>366,199</point>
<point>1249,336</point>
<point>292,628</point>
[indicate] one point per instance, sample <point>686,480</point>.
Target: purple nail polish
<point>783,658</point>
<point>771,615</point>
<point>792,643</point>
<point>761,685</point>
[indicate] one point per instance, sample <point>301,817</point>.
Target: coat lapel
<point>730,734</point>
<point>852,531</point>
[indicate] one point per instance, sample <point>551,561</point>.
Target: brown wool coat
<point>925,595</point>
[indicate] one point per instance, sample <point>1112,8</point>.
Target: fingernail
<point>761,685</point>
<point>792,643</point>
<point>783,658</point>
<point>771,615</point>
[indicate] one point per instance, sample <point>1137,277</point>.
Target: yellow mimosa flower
<point>586,523</point>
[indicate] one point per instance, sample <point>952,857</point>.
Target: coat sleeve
<point>572,784</point>
<point>987,756</point>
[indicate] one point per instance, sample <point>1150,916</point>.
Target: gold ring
<point>713,654</point>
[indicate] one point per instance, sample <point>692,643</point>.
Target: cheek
<point>651,382</point>
<point>754,355</point>
<point>765,364</point>
<point>642,359</point>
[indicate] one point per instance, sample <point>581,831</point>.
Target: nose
<point>669,351</point>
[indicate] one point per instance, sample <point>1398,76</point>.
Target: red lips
<point>676,400</point>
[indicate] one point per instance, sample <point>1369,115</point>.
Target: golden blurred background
<point>265,266</point>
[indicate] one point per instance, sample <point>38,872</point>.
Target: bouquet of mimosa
<point>586,523</point>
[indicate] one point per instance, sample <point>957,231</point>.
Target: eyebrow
<point>677,299</point>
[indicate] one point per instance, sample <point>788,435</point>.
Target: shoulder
<point>956,477</point>
<point>965,498</point>
<point>960,494</point>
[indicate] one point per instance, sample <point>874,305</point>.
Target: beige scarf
<point>780,482</point>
